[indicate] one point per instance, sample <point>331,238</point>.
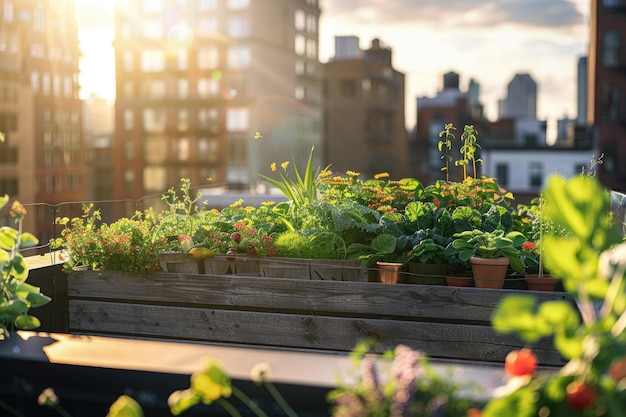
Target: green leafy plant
<point>431,249</point>
<point>483,244</point>
<point>445,146</point>
<point>302,188</point>
<point>591,261</point>
<point>17,297</point>
<point>468,150</point>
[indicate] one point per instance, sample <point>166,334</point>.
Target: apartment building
<point>42,158</point>
<point>214,89</point>
<point>364,113</point>
<point>607,88</point>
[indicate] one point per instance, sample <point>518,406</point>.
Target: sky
<point>487,40</point>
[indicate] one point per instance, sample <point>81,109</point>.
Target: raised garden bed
<point>444,322</point>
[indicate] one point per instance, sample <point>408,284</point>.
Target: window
<point>207,87</point>
<point>610,102</point>
<point>300,67</point>
<point>238,4</point>
<point>128,89</point>
<point>37,50</point>
<point>299,93</point>
<point>238,58</point>
<point>311,48</point>
<point>45,81</point>
<point>207,119</point>
<point>208,58</point>
<point>56,85</point>
<point>204,5</point>
<point>183,120</point>
<point>502,174</point>
<point>154,89</point>
<point>612,3</point>
<point>129,119</point>
<point>610,48</point>
<point>128,61</point>
<point>300,45</point>
<point>9,186</point>
<point>610,160</point>
<point>180,148</point>
<point>129,149</point>
<point>300,19</point>
<point>182,60</point>
<point>153,30</point>
<point>129,176</point>
<point>183,88</point>
<point>207,26</point>
<point>155,150</point>
<point>154,120</point>
<point>535,171</point>
<point>8,11</point>
<point>154,179</point>
<point>152,60</point>
<point>34,81</point>
<point>311,24</point>
<point>237,119</point>
<point>67,87</point>
<point>238,27</point>
<point>208,149</point>
<point>39,24</point>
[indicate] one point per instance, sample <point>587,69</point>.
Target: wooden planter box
<point>329,315</point>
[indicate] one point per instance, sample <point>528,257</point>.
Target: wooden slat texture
<point>444,322</point>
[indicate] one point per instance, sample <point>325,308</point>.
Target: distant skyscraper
<point>521,98</point>
<point>581,97</point>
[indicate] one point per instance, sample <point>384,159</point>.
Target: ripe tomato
<point>520,362</point>
<point>579,395</point>
<point>618,369</point>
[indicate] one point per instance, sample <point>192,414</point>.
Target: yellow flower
<point>257,135</point>
<point>268,203</point>
<point>381,175</point>
<point>284,165</point>
<point>353,174</point>
<point>237,203</point>
<point>273,166</point>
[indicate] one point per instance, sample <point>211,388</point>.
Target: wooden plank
<point>353,299</point>
<point>451,341</point>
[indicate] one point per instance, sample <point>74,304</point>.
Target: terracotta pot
<point>427,274</point>
<point>390,272</point>
<point>545,283</point>
<point>489,272</point>
<point>459,280</point>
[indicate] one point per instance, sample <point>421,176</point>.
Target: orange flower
<point>528,246</point>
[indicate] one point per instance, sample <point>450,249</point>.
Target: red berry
<point>579,395</point>
<point>618,369</point>
<point>236,237</point>
<point>520,362</point>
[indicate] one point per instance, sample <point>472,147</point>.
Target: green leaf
<point>515,314</point>
<point>28,240</point>
<point>8,238</point>
<point>26,322</point>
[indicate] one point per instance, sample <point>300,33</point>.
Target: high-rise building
<point>42,158</point>
<point>364,116</point>
<point>521,98</point>
<point>581,92</point>
<point>607,88</point>
<point>213,89</point>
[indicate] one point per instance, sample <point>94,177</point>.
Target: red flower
<point>528,246</point>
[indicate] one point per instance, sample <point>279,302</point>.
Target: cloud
<point>533,13</point>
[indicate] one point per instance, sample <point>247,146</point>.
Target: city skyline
<point>538,37</point>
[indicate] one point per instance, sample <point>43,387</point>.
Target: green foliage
<point>302,188</point>
<point>590,258</point>
<point>17,297</point>
<point>431,248</point>
<point>445,146</point>
<point>496,244</point>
